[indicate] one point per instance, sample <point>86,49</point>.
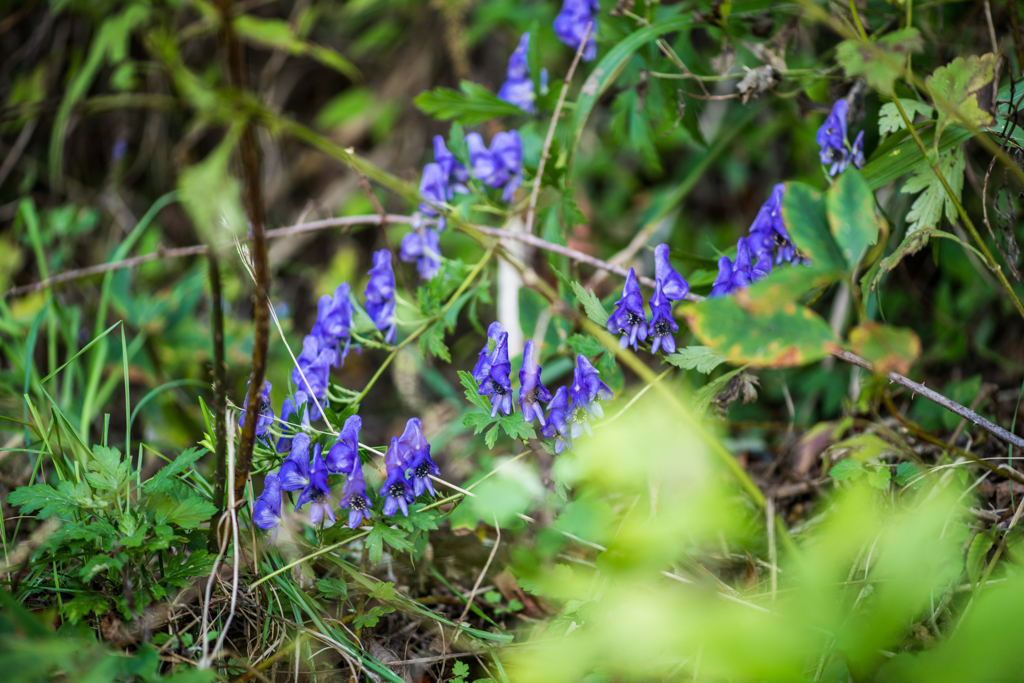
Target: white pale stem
<point>510,281</point>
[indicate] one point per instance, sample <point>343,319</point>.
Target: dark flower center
<point>397,489</point>
<point>316,495</point>
<point>498,389</point>
<point>835,154</point>
<point>359,503</point>
<point>661,328</point>
<point>421,470</point>
<point>633,318</point>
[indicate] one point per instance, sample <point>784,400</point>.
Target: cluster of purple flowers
<point>569,409</point>
<point>518,88</point>
<point>629,317</point>
<point>572,22</point>
<point>836,152</point>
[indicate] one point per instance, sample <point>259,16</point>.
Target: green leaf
<point>702,397</point>
<point>927,209</point>
<point>475,104</point>
<point>957,86</point>
<point>611,66</point>
<point>880,477</point>
<point>383,591</point>
<point>911,244</point>
<point>332,589</point>
<point>432,342</point>
<point>212,196</point>
<point>380,533</point>
<point>977,555</point>
<point>63,501</point>
<point>591,304</point>
<point>106,469</point>
<point>865,447</point>
<point>703,359</point>
<point>83,605</point>
<point>460,669</point>
<point>179,568</point>
<point>370,619</point>
<point>280,35</point>
<point>169,472</point>
<point>847,469</point>
<point>890,121</point>
<point>491,437</point>
<point>96,565</point>
<point>804,211</point>
<point>907,472</point>
<point>177,503</point>
<point>890,349</point>
<point>760,331</point>
<point>516,427</point>
<point>584,344</point>
<point>879,70</point>
<point>473,392</point>
<point>890,162</point>
<point>851,216</point>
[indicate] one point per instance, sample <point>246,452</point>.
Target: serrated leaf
<point>890,349</point>
<point>927,209</point>
<point>96,565</point>
<point>804,211</point>
<point>879,70</point>
<point>584,344</point>
<point>491,437</point>
<point>383,591</point>
<point>848,469</point>
<point>432,342</point>
<point>83,605</point>
<point>880,477</point>
<point>738,328</point>
<point>370,619</point>
<point>106,469</point>
<point>957,86</point>
<point>332,589</point>
<point>977,555</point>
<point>63,501</point>
<point>472,392</point>
<point>591,304</point>
<point>702,397</point>
<point>703,359</point>
<point>890,121</point>
<point>907,472</point>
<point>380,533</point>
<point>851,216</point>
<point>475,104</point>
<point>168,472</point>
<point>179,504</point>
<point>516,427</point>
<point>911,244</point>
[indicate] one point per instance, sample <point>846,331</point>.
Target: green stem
<point>856,20</point>
<point>990,261</point>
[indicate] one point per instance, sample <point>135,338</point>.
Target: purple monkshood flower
<point>663,325</point>
<point>587,389</point>
<point>396,491</point>
<point>311,373</point>
<point>353,496</point>
<point>483,361</point>
<point>629,317</point>
<point>768,230</point>
<point>380,295</point>
<point>284,444</point>
<point>266,513</point>
<point>571,24</point>
<point>723,282</point>
<point>557,426</point>
<point>452,169</point>
<point>531,391</point>
<point>518,88</point>
<point>857,151</point>
<point>673,286</point>
<point>317,492</point>
<point>294,472</point>
<point>265,417</point>
<point>496,383</point>
<point>501,165</point>
<point>420,462</point>
<point>424,249</point>
<point>434,190</point>
<point>345,450</point>
<point>832,138</point>
<point>334,321</point>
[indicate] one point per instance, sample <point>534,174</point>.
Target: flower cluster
<point>572,22</point>
<point>629,318</point>
<point>501,165</point>
<point>836,152</point>
<point>518,88</point>
<point>380,295</point>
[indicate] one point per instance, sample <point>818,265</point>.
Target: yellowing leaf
<point>879,63</point>
<point>890,349</point>
<point>962,90</point>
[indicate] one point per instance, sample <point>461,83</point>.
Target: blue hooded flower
<point>483,165</point>
<point>586,390</point>
<point>663,324</point>
<point>483,361</point>
<point>317,492</point>
<point>674,287</point>
<point>497,384</point>
<point>265,418</point>
<point>518,88</point>
<point>353,496</point>
<point>380,295</point>
<point>396,490</point>
<point>266,512</point>
<point>294,472</point>
<point>723,285</point>
<point>508,150</point>
<point>284,443</point>
<point>311,373</point>
<point>557,426</point>
<point>334,321</point>
<point>832,139</point>
<point>629,317</point>
<point>419,460</point>
<point>768,231</point>
<point>455,174</point>
<point>857,151</point>
<point>531,391</point>
<point>571,25</point>
<point>433,189</point>
<point>424,249</point>
<point>345,450</point>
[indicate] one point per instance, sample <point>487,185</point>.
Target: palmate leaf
<point>880,70</point>
<point>63,501</point>
<point>380,533</point>
<point>591,304</point>
<point>889,119</point>
<point>703,359</point>
<point>106,469</point>
<point>958,86</point>
<point>475,104</point>
<point>168,472</point>
<point>927,209</point>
